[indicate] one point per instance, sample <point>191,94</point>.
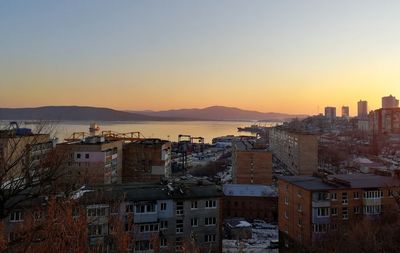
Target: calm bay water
<point>168,130</point>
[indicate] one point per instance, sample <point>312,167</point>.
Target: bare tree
<point>29,166</point>
<point>376,233</point>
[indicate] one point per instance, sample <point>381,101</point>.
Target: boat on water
<point>251,129</point>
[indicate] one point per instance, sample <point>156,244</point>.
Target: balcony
<point>372,201</point>
<point>321,203</point>
<point>321,220</point>
<point>146,217</point>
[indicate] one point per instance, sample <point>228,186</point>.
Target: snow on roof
<point>249,190</point>
<point>362,160</point>
<point>79,193</point>
<point>237,223</point>
<point>243,224</point>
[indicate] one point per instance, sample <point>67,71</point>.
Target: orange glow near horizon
<point>297,94</point>
<point>287,56</point>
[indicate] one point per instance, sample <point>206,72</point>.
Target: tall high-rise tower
<point>362,107</point>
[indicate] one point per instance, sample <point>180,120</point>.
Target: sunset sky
<point>284,56</point>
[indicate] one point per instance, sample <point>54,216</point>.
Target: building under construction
<point>147,160</point>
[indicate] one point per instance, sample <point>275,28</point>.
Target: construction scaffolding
<point>108,136</point>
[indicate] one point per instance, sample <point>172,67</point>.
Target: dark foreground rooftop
<point>344,181</point>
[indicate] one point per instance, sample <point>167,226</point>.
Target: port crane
<point>186,143</point>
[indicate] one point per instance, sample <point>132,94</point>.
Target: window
<point>16,216</point>
<point>210,238</point>
<point>163,224</point>
<point>194,222</point>
<point>373,194</point>
<point>372,209</point>
<point>299,208</point>
<point>163,206</point>
<point>145,228</point>
<point>333,196</point>
<point>334,211</point>
<point>345,213</point>
<point>299,222</point>
<point>211,204</point>
<point>322,196</point>
<point>344,198</point>
<point>286,200</point>
<point>145,208</point>
<point>194,205</point>
<point>286,215</point>
<point>356,195</point>
<point>87,156</point>
<point>95,230</point>
<point>97,211</point>
<point>320,228</point>
<point>356,210</point>
<point>143,245</point>
<point>13,236</point>
<point>179,226</point>
<point>299,193</point>
<point>178,244</point>
<point>323,212</point>
<point>163,242</point>
<point>179,208</point>
<point>210,221</point>
<point>333,226</point>
<point>78,156</point>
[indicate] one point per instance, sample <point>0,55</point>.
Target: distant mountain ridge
<point>222,113</point>
<point>87,113</point>
<point>72,113</point>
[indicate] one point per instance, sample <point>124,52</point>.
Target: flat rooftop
<point>149,141</point>
<point>249,190</point>
<point>90,140</point>
<point>246,145</point>
<point>342,181</point>
<point>149,192</point>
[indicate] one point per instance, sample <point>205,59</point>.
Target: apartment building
<point>251,163</point>
<point>345,112</point>
<point>330,112</point>
<point>250,201</point>
<point>92,160</point>
<point>158,218</point>
<point>148,160</point>
<point>20,148</point>
<point>385,121</point>
<point>310,207</point>
<point>390,102</point>
<point>296,151</point>
<point>362,109</point>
